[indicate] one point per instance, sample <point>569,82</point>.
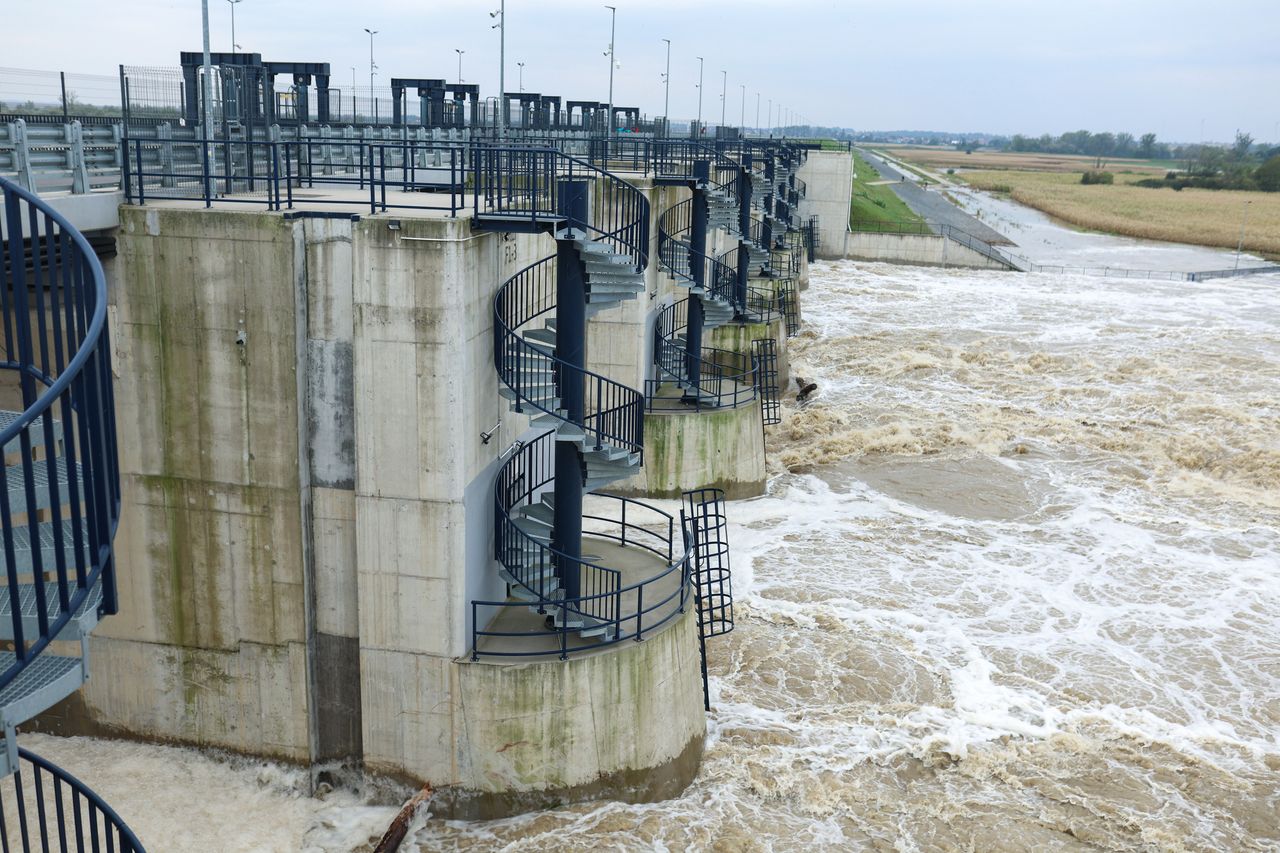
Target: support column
<point>322,98</point>
<point>766,227</point>
<point>698,271</point>
<point>744,228</point>
<point>571,348</point>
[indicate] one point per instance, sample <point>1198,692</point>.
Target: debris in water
<point>395,833</point>
<point>806,388</point>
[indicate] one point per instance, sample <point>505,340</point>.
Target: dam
<point>413,434</point>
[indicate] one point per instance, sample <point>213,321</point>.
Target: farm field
<point>949,158</point>
<point>1051,183</point>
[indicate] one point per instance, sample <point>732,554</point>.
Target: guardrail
<point>56,811</point>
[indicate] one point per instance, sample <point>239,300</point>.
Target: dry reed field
<point>949,158</point>
<point>1202,217</point>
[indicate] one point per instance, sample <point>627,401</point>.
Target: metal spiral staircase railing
<point>593,425</point>
<point>59,508</point>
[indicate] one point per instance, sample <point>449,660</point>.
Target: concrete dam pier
<point>389,450</point>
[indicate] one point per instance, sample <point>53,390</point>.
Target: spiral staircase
<point>593,426</point>
<point>59,508</point>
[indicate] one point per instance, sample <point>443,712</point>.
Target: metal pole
<point>724,90</point>
<point>62,78</point>
<point>521,64</point>
<point>771,117</point>
<point>757,128</point>
<point>613,20</point>
<point>1240,244</point>
<point>742,111</point>
<point>354,120</point>
<point>700,63</point>
<point>502,70</point>
<point>234,46</point>
<point>206,95</point>
<point>459,51</point>
<point>666,102</point>
<point>372,66</point>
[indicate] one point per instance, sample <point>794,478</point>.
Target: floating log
<point>399,827</point>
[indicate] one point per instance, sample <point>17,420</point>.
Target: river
<point>1015,586</point>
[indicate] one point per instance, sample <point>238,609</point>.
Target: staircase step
<point>40,478</point>
<point>81,623</point>
<point>46,680</point>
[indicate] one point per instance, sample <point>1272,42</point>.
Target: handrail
<point>524,183</point>
<point>77,826</point>
<point>521,482</point>
<point>725,378</point>
<point>62,342</point>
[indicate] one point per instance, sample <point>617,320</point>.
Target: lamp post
<point>1240,245</point>
<point>770,117</point>
<point>757,125</point>
<point>234,46</point>
<point>666,102</point>
<point>459,51</point>
<point>501,14</point>
<point>521,64</point>
<point>742,110</point>
<point>354,120</point>
<point>613,21</point>
<point>372,66</point>
<point>724,90</point>
<point>700,63</point>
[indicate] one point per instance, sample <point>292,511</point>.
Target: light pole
<point>770,117</point>
<point>724,90</point>
<point>666,102</point>
<point>1240,245</point>
<point>742,110</point>
<point>354,120</point>
<point>521,64</point>
<point>613,30</point>
<point>757,127</point>
<point>501,27</point>
<point>234,46</point>
<point>700,63</point>
<point>459,51</point>
<point>372,66</point>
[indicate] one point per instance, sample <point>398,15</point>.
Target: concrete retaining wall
<point>685,450</point>
<point>919,249</point>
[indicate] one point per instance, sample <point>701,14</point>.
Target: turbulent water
<point>1015,586</point>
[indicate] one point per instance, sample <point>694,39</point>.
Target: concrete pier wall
<point>828,176</point>
<point>307,514</point>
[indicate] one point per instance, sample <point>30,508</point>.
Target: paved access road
<point>930,203</point>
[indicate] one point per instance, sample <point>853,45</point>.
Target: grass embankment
<point>941,159</point>
<point>1201,217</point>
<point>875,204</point>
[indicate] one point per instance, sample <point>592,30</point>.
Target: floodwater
<point>1015,586</point>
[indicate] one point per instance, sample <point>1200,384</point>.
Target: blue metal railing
<point>627,611</point>
<point>725,378</point>
<point>54,305</point>
<point>47,809</point>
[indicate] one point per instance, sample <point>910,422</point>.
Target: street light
<point>724,90</point>
<point>613,20</point>
<point>521,64</point>
<point>757,127</point>
<point>770,116</point>
<point>459,51</point>
<point>372,66</point>
<point>666,103</point>
<point>234,46</point>
<point>699,94</point>
<point>501,14</point>
<point>354,120</point>
<point>742,110</point>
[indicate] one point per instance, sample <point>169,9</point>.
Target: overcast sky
<point>1029,66</point>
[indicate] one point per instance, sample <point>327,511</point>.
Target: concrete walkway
<point>931,204</point>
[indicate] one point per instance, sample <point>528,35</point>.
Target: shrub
<point>1094,176</point>
<point>951,171</point>
<point>1171,175</point>
<point>1267,175</point>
